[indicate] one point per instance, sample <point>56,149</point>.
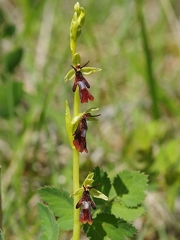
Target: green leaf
<point>123,231</point>
<point>11,94</point>
<point>75,122</point>
<point>108,225</point>
<point>47,222</point>
<point>61,205</point>
<point>128,214</point>
<point>12,60</point>
<point>101,177</point>
<point>130,186</point>
<point>9,30</point>
<point>1,235</point>
<point>69,125</point>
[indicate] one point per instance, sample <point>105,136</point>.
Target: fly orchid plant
<point>77,126</point>
<point>111,218</point>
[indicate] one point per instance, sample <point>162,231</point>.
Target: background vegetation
<point>137,44</point>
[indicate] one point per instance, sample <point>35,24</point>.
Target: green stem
<point>0,202</point>
<point>149,68</point>
<point>76,228</point>
<point>76,103</point>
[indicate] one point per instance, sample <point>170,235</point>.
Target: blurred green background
<point>137,45</point>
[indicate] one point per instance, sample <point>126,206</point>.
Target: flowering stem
<point>76,228</point>
<point>0,202</point>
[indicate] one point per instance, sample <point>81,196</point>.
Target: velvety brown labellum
<point>86,203</point>
<point>80,136</point>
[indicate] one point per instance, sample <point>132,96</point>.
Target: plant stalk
<point>0,202</point>
<point>76,228</point>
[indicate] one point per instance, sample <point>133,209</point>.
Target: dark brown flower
<point>82,83</point>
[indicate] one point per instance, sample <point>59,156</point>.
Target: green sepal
<point>69,125</point>
<point>98,194</point>
<point>76,59</point>
<point>89,179</point>
<point>79,191</point>
<point>89,110</point>
<point>69,76</point>
<point>90,70</point>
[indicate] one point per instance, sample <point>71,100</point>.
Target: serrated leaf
<point>101,178</point>
<point>61,205</point>
<point>47,222</point>
<point>125,230</point>
<point>108,225</point>
<point>130,186</point>
<point>128,214</point>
